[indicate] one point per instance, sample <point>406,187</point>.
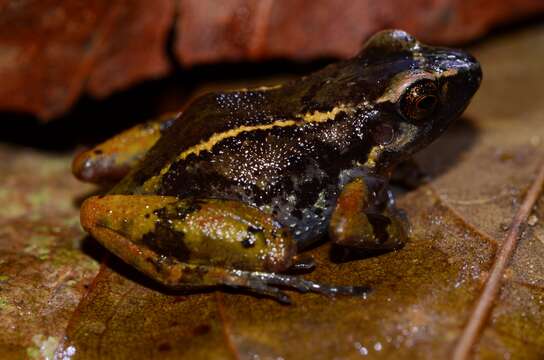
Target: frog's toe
<point>302,263</point>
<point>271,291</point>
<point>302,285</point>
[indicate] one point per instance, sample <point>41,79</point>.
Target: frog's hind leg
<point>366,218</point>
<point>188,243</point>
<point>110,161</point>
<point>268,283</point>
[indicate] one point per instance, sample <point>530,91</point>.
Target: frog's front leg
<point>188,243</point>
<point>111,160</point>
<point>366,218</point>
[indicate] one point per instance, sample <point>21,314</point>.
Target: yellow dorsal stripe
<point>208,144</point>
<point>315,117</point>
<point>216,138</point>
<point>320,117</point>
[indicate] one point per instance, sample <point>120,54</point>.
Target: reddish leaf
<point>52,52</point>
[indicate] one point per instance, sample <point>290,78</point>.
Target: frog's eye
<point>419,100</point>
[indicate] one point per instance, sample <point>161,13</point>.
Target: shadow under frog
<point>229,191</point>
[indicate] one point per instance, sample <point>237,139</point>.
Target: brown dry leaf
<point>52,52</point>
<point>43,273</point>
<point>422,294</point>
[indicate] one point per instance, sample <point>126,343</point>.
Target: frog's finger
<point>268,283</point>
<point>270,291</point>
<point>303,263</point>
<point>112,160</point>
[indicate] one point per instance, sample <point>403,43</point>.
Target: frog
<point>233,189</point>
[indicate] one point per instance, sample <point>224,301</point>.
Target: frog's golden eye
<point>419,100</point>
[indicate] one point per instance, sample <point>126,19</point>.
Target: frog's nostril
<point>469,67</point>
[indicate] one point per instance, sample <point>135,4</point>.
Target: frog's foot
<point>269,284</point>
<point>366,218</point>
<point>110,161</point>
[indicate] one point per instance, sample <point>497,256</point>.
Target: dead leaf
<point>43,272</point>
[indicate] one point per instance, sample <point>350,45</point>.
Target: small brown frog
<point>229,191</point>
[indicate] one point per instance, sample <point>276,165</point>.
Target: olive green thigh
<point>365,217</point>
<point>186,243</point>
<point>110,161</point>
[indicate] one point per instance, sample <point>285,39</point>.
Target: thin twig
<point>484,304</point>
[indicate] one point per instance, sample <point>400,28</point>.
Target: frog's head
<point>419,91</point>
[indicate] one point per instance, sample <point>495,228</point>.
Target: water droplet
<point>361,349</point>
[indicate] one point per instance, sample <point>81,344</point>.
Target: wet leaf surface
<point>43,271</point>
<point>422,294</point>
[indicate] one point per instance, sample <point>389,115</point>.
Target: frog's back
<point>217,121</point>
<point>210,114</point>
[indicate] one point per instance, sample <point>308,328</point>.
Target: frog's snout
<point>467,69</point>
<point>474,73</point>
<point>477,75</point>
